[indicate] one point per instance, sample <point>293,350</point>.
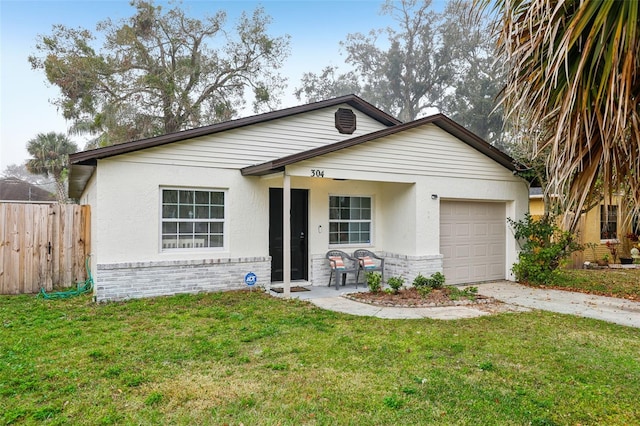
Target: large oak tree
<point>161,71</point>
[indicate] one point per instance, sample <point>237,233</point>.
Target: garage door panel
<point>480,250</point>
<point>462,230</point>
<point>480,230</point>
<point>472,241</point>
<point>461,251</point>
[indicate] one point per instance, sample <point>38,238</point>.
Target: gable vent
<point>345,121</point>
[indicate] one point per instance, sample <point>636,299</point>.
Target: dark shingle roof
<point>14,189</point>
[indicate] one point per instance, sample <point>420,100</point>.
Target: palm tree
<point>574,78</point>
<point>50,154</point>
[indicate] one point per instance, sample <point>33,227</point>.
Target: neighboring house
<point>603,227</point>
<point>197,210</point>
<point>16,190</point>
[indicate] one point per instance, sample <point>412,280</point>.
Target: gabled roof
<point>439,120</point>
<point>90,157</point>
<point>14,189</point>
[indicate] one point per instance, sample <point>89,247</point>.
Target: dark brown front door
<point>299,214</point>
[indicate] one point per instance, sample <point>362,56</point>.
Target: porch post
<point>286,235</point>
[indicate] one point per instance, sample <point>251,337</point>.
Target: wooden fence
<point>42,246</point>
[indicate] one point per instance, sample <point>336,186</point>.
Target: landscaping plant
<point>395,283</point>
<point>425,285</point>
<point>543,246</point>
<point>374,281</point>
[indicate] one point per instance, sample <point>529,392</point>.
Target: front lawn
<point>247,358</point>
<point>622,283</point>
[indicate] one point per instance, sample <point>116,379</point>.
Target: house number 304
<point>317,173</point>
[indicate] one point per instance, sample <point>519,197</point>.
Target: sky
<point>316,28</point>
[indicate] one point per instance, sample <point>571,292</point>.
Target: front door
<point>299,213</point>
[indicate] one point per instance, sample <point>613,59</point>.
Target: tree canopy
<point>573,81</point>
<point>160,72</point>
<point>428,61</point>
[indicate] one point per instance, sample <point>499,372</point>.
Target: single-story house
<point>605,227</point>
<point>200,209</point>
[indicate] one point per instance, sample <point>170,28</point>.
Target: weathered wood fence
<point>42,246</point>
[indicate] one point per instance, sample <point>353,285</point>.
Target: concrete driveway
<point>516,298</point>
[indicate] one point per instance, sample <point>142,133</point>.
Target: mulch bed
<point>410,298</point>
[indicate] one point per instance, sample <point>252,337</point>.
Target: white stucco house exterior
<point>197,210</point>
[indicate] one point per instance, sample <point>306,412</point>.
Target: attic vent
<point>345,121</point>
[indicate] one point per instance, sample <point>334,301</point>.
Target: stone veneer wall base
<point>121,281</point>
<point>395,265</point>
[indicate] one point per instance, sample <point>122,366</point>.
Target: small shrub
<point>420,281</point>
<point>395,283</point>
<point>543,247</point>
<point>435,281</point>
<point>374,281</point>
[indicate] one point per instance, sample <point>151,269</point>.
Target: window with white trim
<point>608,222</point>
<point>192,218</point>
<point>349,220</point>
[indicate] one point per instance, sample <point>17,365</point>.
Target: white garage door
<point>472,240</point>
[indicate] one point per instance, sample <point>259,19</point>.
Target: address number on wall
<point>317,173</point>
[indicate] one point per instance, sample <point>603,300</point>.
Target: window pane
<point>365,202</point>
<point>217,227</point>
<point>202,227</point>
<point>170,211</point>
<point>186,197</point>
<point>217,212</point>
<point>333,202</point>
<point>344,214</point>
<point>169,196</point>
<point>202,197</point>
<point>217,198</point>
<point>366,214</point>
<point>334,213</point>
<point>169,227</point>
<point>185,242</point>
<point>186,228</point>
<point>215,241</point>
<point>202,212</point>
<point>186,212</point>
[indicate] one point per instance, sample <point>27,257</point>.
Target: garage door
<point>472,240</point>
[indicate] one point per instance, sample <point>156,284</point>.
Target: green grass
<point>622,283</point>
<point>247,358</point>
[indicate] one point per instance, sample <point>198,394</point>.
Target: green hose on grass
<point>81,287</point>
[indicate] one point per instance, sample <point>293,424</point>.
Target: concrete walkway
<point>516,298</point>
